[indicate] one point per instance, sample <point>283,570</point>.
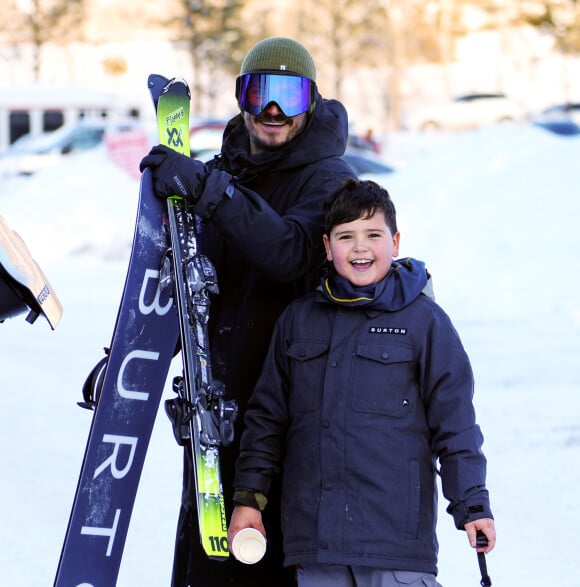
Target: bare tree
<point>214,35</point>
<point>39,22</point>
<point>414,32</point>
<point>352,30</point>
<point>561,18</point>
<point>388,35</point>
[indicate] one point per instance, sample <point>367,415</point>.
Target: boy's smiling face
<point>362,250</point>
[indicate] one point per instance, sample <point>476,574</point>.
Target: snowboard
<point>23,285</point>
<point>165,300</point>
<point>142,346</point>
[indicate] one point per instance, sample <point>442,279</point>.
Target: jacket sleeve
<point>456,438</point>
<point>262,443</point>
<point>283,247</point>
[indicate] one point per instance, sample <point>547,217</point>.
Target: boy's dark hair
<point>359,199</point>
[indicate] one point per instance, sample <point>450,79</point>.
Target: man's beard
<point>262,144</point>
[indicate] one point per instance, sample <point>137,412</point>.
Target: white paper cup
<point>249,546</point>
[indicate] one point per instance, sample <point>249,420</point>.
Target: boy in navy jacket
<point>365,387</point>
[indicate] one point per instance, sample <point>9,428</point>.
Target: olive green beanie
<point>279,54</point>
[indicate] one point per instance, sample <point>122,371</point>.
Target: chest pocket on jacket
<point>307,374</point>
<point>384,380</point>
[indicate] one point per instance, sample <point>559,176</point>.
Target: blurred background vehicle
<point>561,119</point>
<point>30,153</point>
<point>367,167</point>
<point>205,136</point>
<point>464,112</point>
<point>562,111</point>
<point>37,108</point>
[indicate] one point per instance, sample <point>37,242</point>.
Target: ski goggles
<point>293,94</point>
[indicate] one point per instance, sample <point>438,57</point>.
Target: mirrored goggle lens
<point>293,94</point>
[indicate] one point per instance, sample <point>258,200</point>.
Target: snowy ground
<point>494,214</point>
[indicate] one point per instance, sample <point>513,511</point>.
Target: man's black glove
<point>175,174</point>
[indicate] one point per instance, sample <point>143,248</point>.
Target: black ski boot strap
<point>180,412</point>
<point>94,383</point>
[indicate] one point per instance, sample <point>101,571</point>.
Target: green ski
<point>202,419</point>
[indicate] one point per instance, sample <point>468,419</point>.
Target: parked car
<point>205,136</point>
<point>565,111</point>
<point>366,167</point>
<point>29,154</point>
<point>464,112</point>
<point>561,119</point>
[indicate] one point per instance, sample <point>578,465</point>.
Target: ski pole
<point>481,540</point>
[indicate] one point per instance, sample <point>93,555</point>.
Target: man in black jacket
<point>261,202</point>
